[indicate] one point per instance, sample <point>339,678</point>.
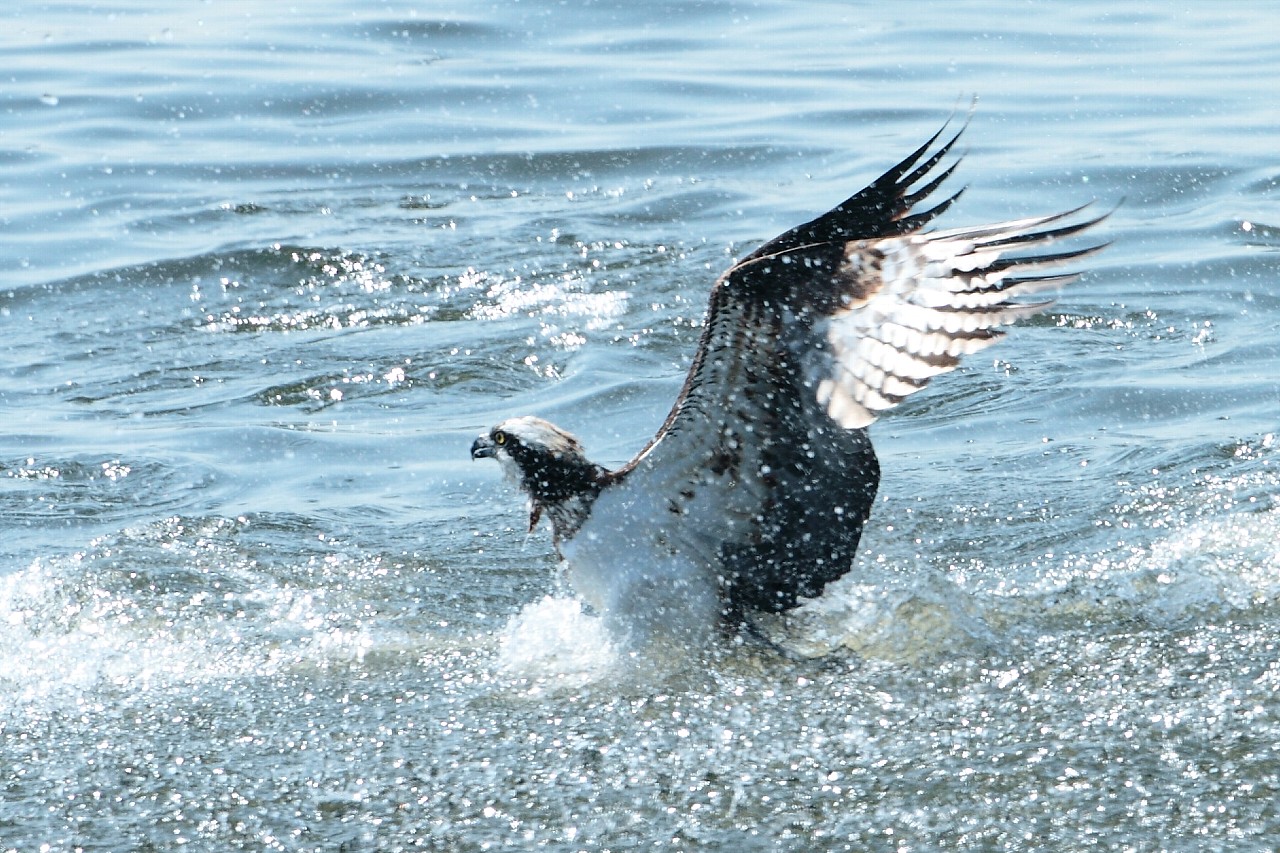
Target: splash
<point>553,644</point>
<point>1205,568</point>
<point>889,619</point>
<point>178,604</point>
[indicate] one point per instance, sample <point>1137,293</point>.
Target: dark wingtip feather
<point>916,221</point>
<point>883,207</point>
<point>912,199</point>
<point>928,165</point>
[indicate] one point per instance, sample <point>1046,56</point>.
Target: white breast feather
<point>649,571</point>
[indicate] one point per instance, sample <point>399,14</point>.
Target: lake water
<point>267,270</point>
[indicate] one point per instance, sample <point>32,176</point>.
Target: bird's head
<point>527,447</point>
<point>547,462</point>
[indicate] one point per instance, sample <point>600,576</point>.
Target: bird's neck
<point>564,489</point>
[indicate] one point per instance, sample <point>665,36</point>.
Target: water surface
<point>267,271</point>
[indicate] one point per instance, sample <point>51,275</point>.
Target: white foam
<point>552,643</point>
<point>1222,564</point>
<point>887,619</point>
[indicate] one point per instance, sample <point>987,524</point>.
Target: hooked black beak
<point>483,448</point>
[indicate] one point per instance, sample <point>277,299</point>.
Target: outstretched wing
<point>807,341</point>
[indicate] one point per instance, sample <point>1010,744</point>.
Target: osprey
<point>754,492</point>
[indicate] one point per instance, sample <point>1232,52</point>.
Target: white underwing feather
<point>928,299</point>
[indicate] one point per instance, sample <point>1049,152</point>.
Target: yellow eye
<point>499,437</point>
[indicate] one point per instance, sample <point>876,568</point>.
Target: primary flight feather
<point>753,494</point>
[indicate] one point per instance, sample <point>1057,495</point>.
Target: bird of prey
<point>753,494</point>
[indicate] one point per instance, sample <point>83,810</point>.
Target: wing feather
<point>925,299</point>
<point>809,339</point>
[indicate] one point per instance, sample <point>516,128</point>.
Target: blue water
<point>267,270</point>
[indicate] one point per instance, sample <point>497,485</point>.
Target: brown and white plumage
<point>754,492</point>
